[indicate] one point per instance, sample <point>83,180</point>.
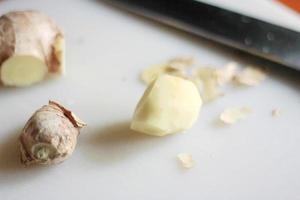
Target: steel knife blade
<point>269,41</point>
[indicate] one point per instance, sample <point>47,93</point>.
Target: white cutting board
<point>257,158</point>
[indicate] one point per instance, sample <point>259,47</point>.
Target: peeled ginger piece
<point>170,104</point>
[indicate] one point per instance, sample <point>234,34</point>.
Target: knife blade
<point>269,41</point>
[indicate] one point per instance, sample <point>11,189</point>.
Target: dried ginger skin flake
<point>50,135</point>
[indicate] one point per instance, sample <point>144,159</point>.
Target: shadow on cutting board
<point>11,169</point>
<point>48,80</point>
<point>9,153</point>
<point>276,71</point>
<point>117,142</point>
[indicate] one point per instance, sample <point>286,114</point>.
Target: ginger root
<point>50,135</point>
<point>31,45</point>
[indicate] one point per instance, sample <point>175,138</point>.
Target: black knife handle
<point>263,39</point>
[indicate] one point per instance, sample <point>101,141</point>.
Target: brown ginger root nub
<point>50,135</point>
<point>31,45</point>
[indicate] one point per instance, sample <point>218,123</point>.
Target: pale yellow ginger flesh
<point>250,76</point>
<point>233,115</point>
<point>170,104</point>
<point>23,71</point>
<point>186,160</point>
<point>31,46</point>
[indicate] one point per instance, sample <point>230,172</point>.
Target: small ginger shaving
<point>181,63</point>
<point>206,80</point>
<point>209,79</point>
<point>250,76</point>
<point>233,115</point>
<point>176,66</point>
<point>226,74</point>
<point>276,112</point>
<point>186,160</point>
<point>151,73</point>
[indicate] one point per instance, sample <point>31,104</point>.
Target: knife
<point>269,41</point>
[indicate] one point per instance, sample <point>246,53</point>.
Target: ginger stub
<point>31,46</point>
<point>50,135</point>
